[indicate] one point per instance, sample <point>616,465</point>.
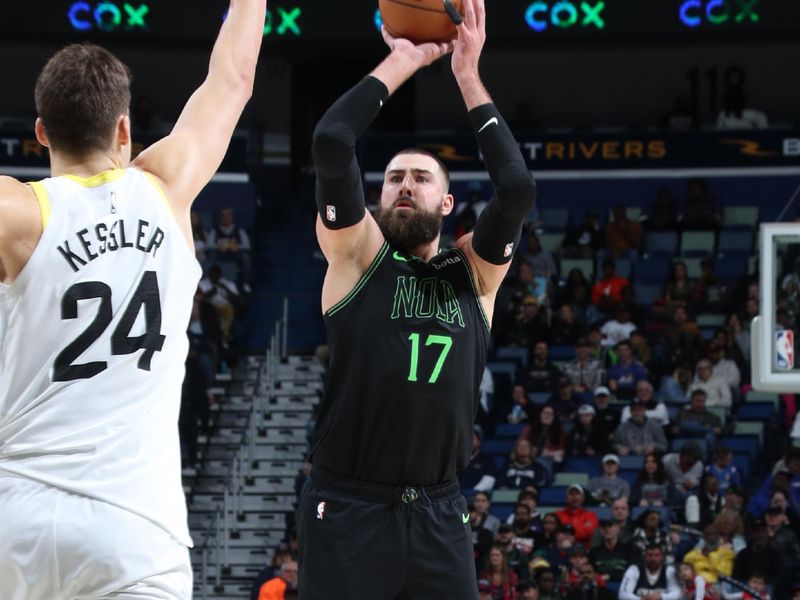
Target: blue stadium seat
<point>645,294</point>
<point>502,510</point>
<point>632,461</point>
<point>740,215</point>
<point>742,462</point>
<point>622,266</point>
<point>735,242</point>
<point>661,242</point>
<point>730,268</point>
<point>742,444</point>
<point>539,398</point>
<point>629,475</point>
<point>551,241</point>
<point>653,269</point>
<point>501,447</point>
<point>603,512</point>
<point>556,496</point>
<point>589,465</point>
<point>520,355</point>
<point>509,430</point>
<point>697,243</point>
<point>503,368</point>
<point>562,353</point>
<point>756,411</point>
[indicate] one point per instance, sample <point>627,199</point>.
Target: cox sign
<point>107,16</point>
<point>717,12</point>
<point>540,15</point>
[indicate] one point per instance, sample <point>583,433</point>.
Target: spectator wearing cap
<point>565,400</point>
<point>639,435</point>
<point>585,373</point>
<point>583,521</point>
<point>612,556</point>
<point>620,328</point>
<point>717,391</point>
<point>784,541</point>
<point>275,588</point>
<point>684,469</point>
<point>557,555</point>
<point>696,421</point>
<point>623,377</point>
<point>710,558</point>
<point>654,409</point>
<point>530,497</point>
<point>758,557</point>
<point>587,437</point>
<point>607,416</point>
<point>542,375</point>
<point>522,468</point>
<point>607,292</point>
<point>480,474</point>
<point>546,435</point>
<point>590,585</point>
<point>652,488</point>
<point>609,486</point>
<point>516,560</point>
<point>566,329</point>
<point>502,580</point>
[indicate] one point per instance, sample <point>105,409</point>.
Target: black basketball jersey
<point>407,353</point>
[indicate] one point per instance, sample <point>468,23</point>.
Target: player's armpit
<point>20,226</point>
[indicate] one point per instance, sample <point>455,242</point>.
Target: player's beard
<point>407,230</point>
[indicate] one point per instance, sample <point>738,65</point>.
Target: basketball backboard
<point>773,334</point>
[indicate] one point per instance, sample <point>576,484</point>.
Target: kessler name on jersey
<point>90,244</point>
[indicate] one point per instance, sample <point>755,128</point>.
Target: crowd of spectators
<point>223,252</point>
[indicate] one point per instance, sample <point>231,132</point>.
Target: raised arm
<point>347,234</point>
<point>492,244</point>
<point>188,157</point>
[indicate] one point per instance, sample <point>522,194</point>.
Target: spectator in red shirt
<point>583,521</point>
<point>622,234</point>
<point>607,292</point>
<point>502,581</point>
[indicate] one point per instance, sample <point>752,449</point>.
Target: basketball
<point>419,20</point>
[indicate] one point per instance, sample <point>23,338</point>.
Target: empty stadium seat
<point>693,267</point>
<point>652,269</point>
<point>551,241</point>
<point>568,478</point>
<point>554,219</point>
<point>520,355</point>
<point>509,430</point>
<point>742,444</point>
<point>645,294</point>
<point>735,242</point>
<point>755,428</point>
<point>710,320</point>
<point>697,243</point>
<point>622,266</point>
<point>589,465</point>
<point>740,215</point>
<point>497,447</point>
<point>632,461</point>
<point>756,411</point>
<point>661,242</point>
<point>730,268</point>
<point>505,496</point>
<point>555,496</point>
<point>560,353</point>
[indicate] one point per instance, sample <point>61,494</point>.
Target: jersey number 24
<point>146,295</point>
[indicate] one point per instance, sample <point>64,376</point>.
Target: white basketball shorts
<point>56,545</point>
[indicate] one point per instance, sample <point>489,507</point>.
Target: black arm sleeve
<point>499,227</point>
<point>340,196</point>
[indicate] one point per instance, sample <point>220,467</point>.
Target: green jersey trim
<point>468,267</point>
<point>361,282</point>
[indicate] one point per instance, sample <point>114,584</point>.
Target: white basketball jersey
<point>93,344</point>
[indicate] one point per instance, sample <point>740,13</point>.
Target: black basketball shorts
<point>362,541</point>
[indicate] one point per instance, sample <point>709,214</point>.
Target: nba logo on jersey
<point>330,213</point>
<point>321,509</point>
<point>509,249</point>
<point>784,349</point>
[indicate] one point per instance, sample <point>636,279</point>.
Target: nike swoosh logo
<point>464,518</point>
<point>398,256</point>
<point>492,121</point>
